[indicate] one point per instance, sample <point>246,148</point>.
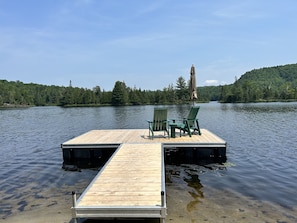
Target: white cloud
<point>211,82</point>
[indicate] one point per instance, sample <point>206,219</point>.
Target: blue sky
<point>147,44</point>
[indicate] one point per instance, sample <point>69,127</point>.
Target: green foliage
<point>266,84</point>
<point>182,93</point>
<point>209,93</point>
<point>119,94</point>
<point>18,93</point>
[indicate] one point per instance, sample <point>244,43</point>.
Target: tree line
<point>17,93</point>
<point>266,84</point>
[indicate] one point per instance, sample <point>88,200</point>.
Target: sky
<point>147,44</point>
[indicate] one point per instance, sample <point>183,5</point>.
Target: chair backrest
<point>192,115</point>
<point>160,118</point>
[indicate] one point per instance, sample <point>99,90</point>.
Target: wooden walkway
<point>129,185</point>
<point>132,183</point>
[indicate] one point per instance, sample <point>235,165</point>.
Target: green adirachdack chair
<point>190,124</point>
<point>159,122</point>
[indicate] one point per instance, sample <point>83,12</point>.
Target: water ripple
<point>262,148</point>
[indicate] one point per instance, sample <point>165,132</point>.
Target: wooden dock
<point>132,182</point>
<point>115,137</point>
<point>129,186</point>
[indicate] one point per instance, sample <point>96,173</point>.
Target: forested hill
<point>266,84</point>
<point>275,76</point>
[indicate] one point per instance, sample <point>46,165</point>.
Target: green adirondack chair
<point>190,123</point>
<point>159,122</point>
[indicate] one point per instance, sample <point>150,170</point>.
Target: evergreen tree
<point>182,89</point>
<point>97,94</point>
<point>119,94</point>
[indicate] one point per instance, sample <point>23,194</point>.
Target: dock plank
<point>133,177</point>
<point>119,136</point>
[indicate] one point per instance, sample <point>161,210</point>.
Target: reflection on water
<point>193,182</point>
<point>191,199</point>
<point>264,107</point>
<point>258,186</point>
<point>186,177</point>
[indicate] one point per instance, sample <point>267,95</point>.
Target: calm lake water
<point>261,152</point>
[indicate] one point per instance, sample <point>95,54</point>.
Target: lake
<point>256,184</point>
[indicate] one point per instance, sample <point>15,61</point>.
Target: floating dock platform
<point>131,184</point>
